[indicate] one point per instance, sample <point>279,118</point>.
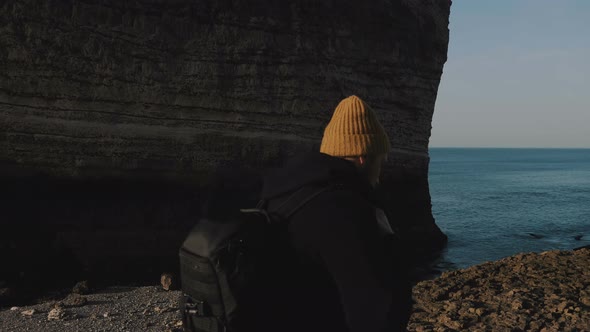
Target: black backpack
<point>221,263</point>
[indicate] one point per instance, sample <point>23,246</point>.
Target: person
<point>344,273</point>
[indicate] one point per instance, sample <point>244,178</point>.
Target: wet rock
<point>536,236</point>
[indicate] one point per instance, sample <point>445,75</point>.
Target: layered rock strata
<point>149,96</point>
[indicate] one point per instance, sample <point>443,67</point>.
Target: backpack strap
<point>291,205</point>
<point>297,200</point>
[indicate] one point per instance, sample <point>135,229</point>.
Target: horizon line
<point>507,147</point>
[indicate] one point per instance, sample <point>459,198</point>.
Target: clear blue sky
<point>517,75</point>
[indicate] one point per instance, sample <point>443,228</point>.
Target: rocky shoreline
<point>148,308</point>
<point>549,291</point>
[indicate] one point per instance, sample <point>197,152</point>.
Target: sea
<point>498,202</point>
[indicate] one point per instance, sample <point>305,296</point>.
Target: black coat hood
<point>313,169</point>
<point>339,255</point>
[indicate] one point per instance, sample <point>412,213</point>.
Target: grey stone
<point>56,313</point>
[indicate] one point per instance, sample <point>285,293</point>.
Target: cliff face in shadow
<point>164,91</point>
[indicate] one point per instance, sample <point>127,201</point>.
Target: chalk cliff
<point>164,91</point>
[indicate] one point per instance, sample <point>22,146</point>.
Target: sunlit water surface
<point>494,203</point>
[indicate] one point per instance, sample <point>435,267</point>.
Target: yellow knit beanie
<point>354,131</point>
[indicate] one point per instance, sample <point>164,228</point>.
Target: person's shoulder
<point>334,219</point>
<point>336,206</point>
<point>343,194</point>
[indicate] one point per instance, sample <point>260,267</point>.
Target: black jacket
<point>343,273</point>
